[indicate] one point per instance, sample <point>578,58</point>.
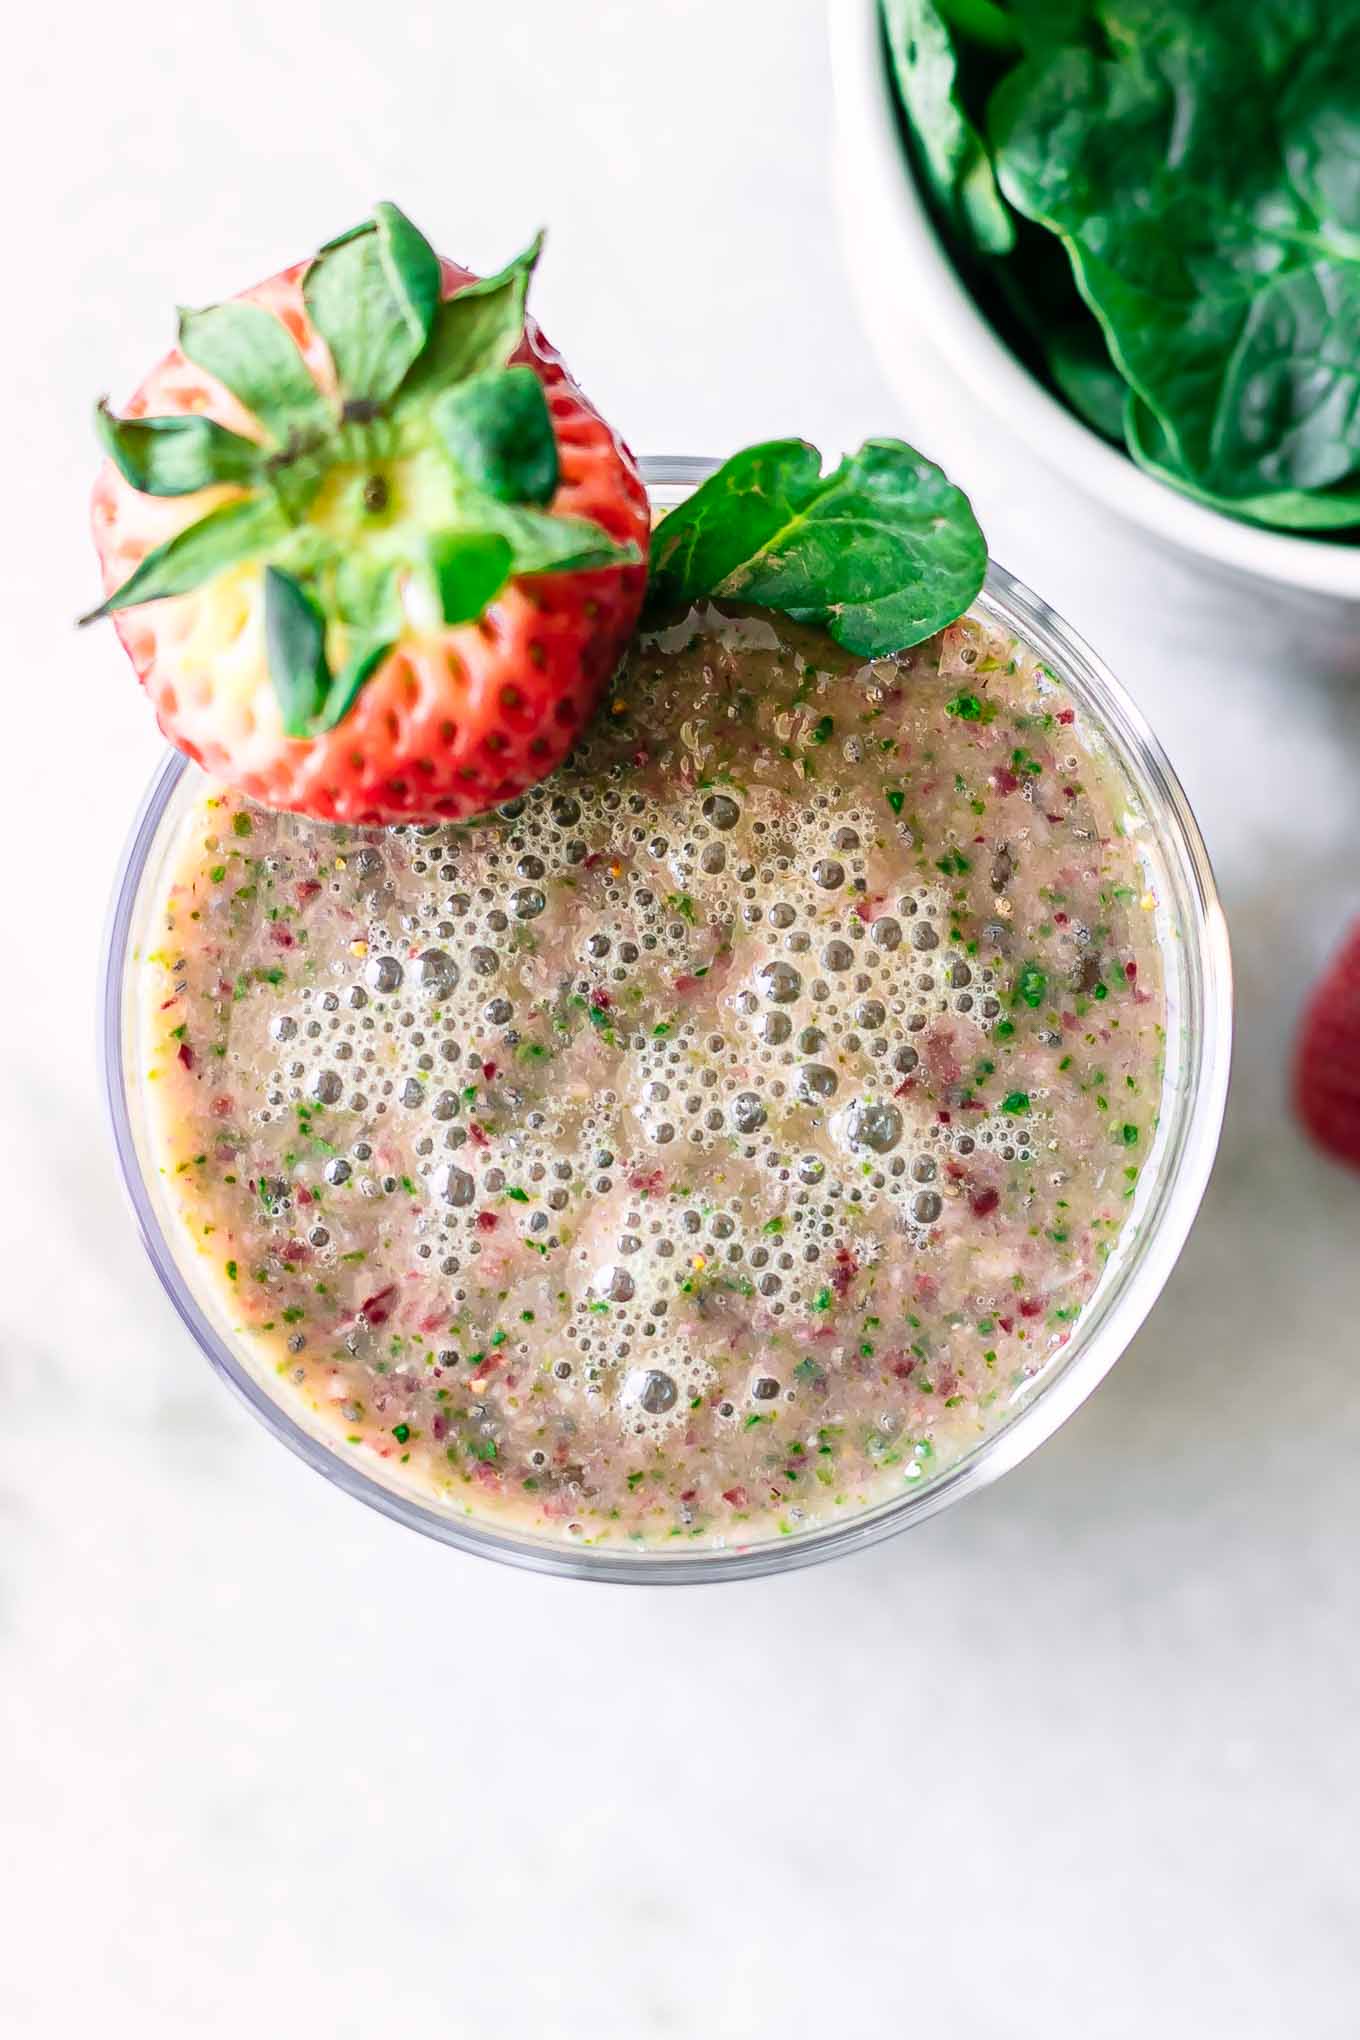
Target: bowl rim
<point>895,251</point>
<point>1176,1194</point>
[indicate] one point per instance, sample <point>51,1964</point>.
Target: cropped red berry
<point>1327,1057</point>
<point>370,550</point>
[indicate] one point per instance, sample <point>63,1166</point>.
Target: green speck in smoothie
<point>1031,985</point>
<point>969,708</point>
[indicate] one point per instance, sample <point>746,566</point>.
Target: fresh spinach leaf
<point>1080,365</point>
<point>953,154</point>
<point>1226,278</point>
<point>1048,24</point>
<point>881,552</point>
<point>1041,312</point>
<point>980,21</point>
<point>1336,509</point>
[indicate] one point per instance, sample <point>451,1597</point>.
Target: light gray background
<point>1078,1758</point>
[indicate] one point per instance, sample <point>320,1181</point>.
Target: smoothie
<point>706,1146</point>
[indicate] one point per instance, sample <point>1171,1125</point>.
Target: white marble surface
<point>1081,1756</point>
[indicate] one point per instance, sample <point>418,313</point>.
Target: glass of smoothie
<point>756,1138</point>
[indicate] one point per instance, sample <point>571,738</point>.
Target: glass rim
<point>1106,1325</point>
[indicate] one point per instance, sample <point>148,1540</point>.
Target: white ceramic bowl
<point>897,262</point>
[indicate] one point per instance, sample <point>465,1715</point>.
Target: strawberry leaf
<point>543,544</point>
<point>295,640</point>
<point>252,353</point>
<point>412,265</point>
<point>176,456</point>
<point>496,429</point>
<point>472,562</point>
<point>344,689</point>
<point>312,699</point>
<point>238,531</point>
<point>478,328</point>
<point>470,568</point>
<point>881,552</point>
<point>362,594</point>
<point>373,298</point>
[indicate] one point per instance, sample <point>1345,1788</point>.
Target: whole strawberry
<point>1327,1057</point>
<point>370,550</point>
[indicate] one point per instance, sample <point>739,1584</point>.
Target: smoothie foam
<point>718,1139</point>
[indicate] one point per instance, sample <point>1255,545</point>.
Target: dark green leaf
<point>1038,309</point>
<point>953,154</point>
<point>372,298</point>
<point>176,456</point>
<point>1031,986</point>
<point>882,552</point>
<point>1080,364</point>
<point>1334,509</point>
<point>1048,24</point>
<point>497,430</point>
<point>543,544</point>
<point>361,593</point>
<point>312,701</point>
<point>478,328</point>
<point>237,531</point>
<point>413,267</point>
<point>349,234</point>
<point>253,354</point>
<point>1227,278</point>
<point>295,641</point>
<point>470,568</point>
<point>472,561</point>
<point>980,21</point>
<point>344,690</point>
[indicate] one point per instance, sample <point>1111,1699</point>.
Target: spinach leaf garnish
<point>881,552</point>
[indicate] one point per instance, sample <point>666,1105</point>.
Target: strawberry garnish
<point>370,550</point>
<point>1327,1057</point>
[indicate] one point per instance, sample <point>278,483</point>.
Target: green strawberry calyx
<point>407,500</point>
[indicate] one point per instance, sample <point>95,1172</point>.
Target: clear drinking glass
<point>1199,1034</point>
